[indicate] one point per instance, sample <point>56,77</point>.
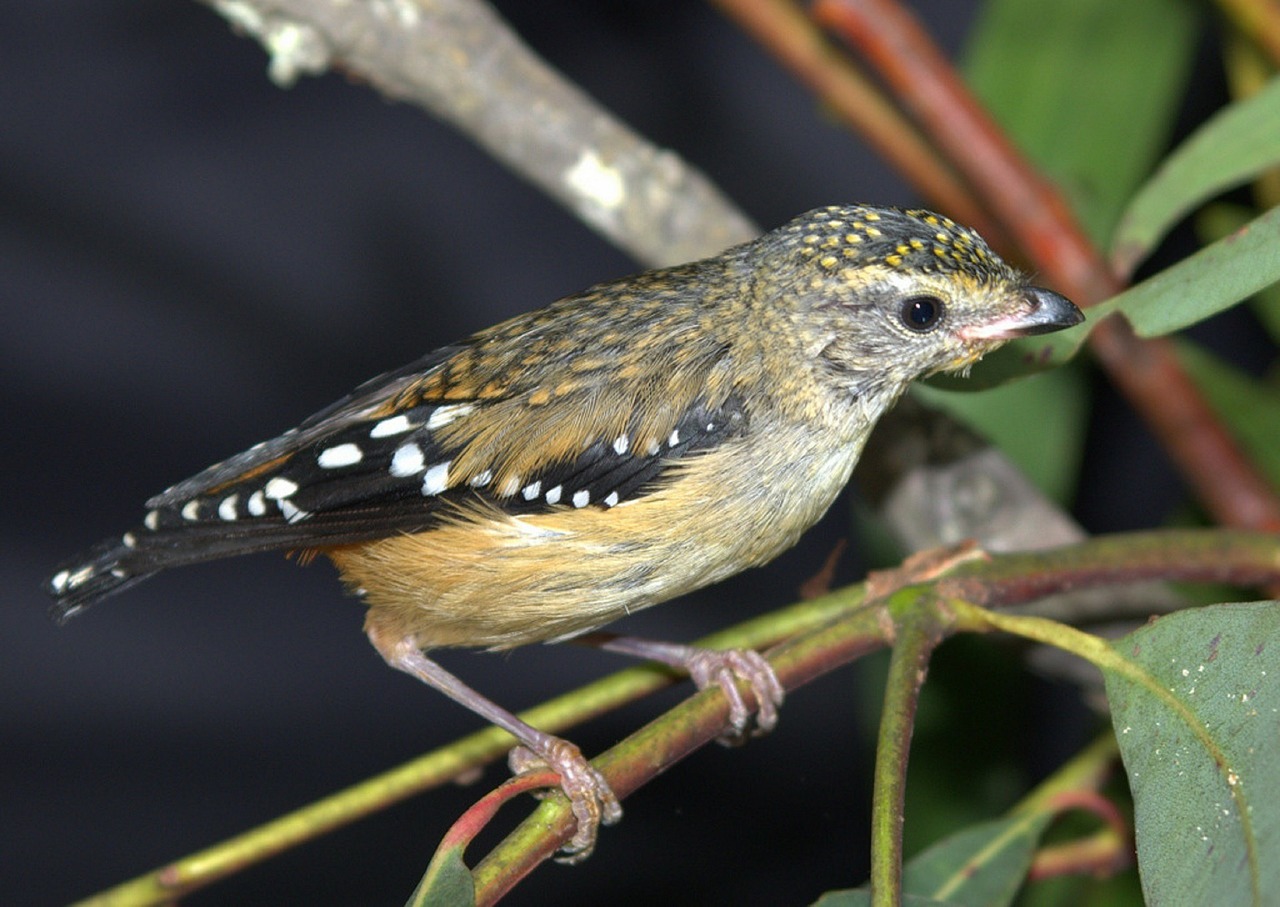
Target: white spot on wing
<point>279,487</point>
<point>581,498</point>
<point>621,444</point>
<point>674,438</point>
<point>338,456</point>
<point>437,479</point>
<point>611,500</point>
<point>227,509</point>
<point>481,479</point>
<point>129,540</point>
<point>191,509</point>
<point>396,425</point>
<point>59,582</point>
<point>257,506</point>
<point>553,495</point>
<point>532,490</point>
<point>509,487</point>
<point>408,460</point>
<point>443,415</point>
<point>152,520</point>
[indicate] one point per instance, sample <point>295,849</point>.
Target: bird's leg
<point>708,667</point>
<point>590,796</point>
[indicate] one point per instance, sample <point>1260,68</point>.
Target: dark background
<point>192,260</point>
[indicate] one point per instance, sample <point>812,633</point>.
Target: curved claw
<point>590,797</point>
<point>724,668</point>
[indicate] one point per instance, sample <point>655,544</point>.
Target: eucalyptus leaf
<point>1210,281</point>
<point>1198,738</point>
<point>1216,221</point>
<point>1088,89</point>
<point>1204,284</point>
<point>1233,146</point>
<point>980,866</point>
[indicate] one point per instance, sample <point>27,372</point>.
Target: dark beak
<point>1049,312</point>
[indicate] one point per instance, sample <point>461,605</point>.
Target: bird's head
<point>882,296</point>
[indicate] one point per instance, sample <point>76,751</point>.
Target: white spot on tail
<point>83,574</point>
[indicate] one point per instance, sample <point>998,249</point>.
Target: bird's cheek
<point>966,356</point>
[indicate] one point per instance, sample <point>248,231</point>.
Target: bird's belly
<point>498,581</point>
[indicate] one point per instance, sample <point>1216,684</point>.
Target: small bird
<point>618,448</point>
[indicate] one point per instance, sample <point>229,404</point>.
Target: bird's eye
<point>921,313</point>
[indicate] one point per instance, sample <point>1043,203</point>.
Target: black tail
<point>172,540</point>
<point>107,568</point>
<point>114,565</point>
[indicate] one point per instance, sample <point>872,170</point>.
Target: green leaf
<point>1199,739</point>
<point>1039,423</point>
<point>1210,281</point>
<point>447,882</point>
<point>1088,89</point>
<point>980,866</point>
<point>1215,222</point>
<point>1233,146</point>
<point>1204,284</point>
<point>1250,409</point>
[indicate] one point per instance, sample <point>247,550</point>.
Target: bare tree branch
<point>462,63</point>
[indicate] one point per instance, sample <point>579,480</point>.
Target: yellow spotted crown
<point>915,240</point>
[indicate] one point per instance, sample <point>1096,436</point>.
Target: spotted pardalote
<point>618,448</point>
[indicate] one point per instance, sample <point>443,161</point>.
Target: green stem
<point>918,635</point>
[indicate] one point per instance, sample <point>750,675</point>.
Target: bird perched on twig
<point>616,449</point>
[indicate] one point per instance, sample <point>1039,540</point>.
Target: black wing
<point>387,459</point>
